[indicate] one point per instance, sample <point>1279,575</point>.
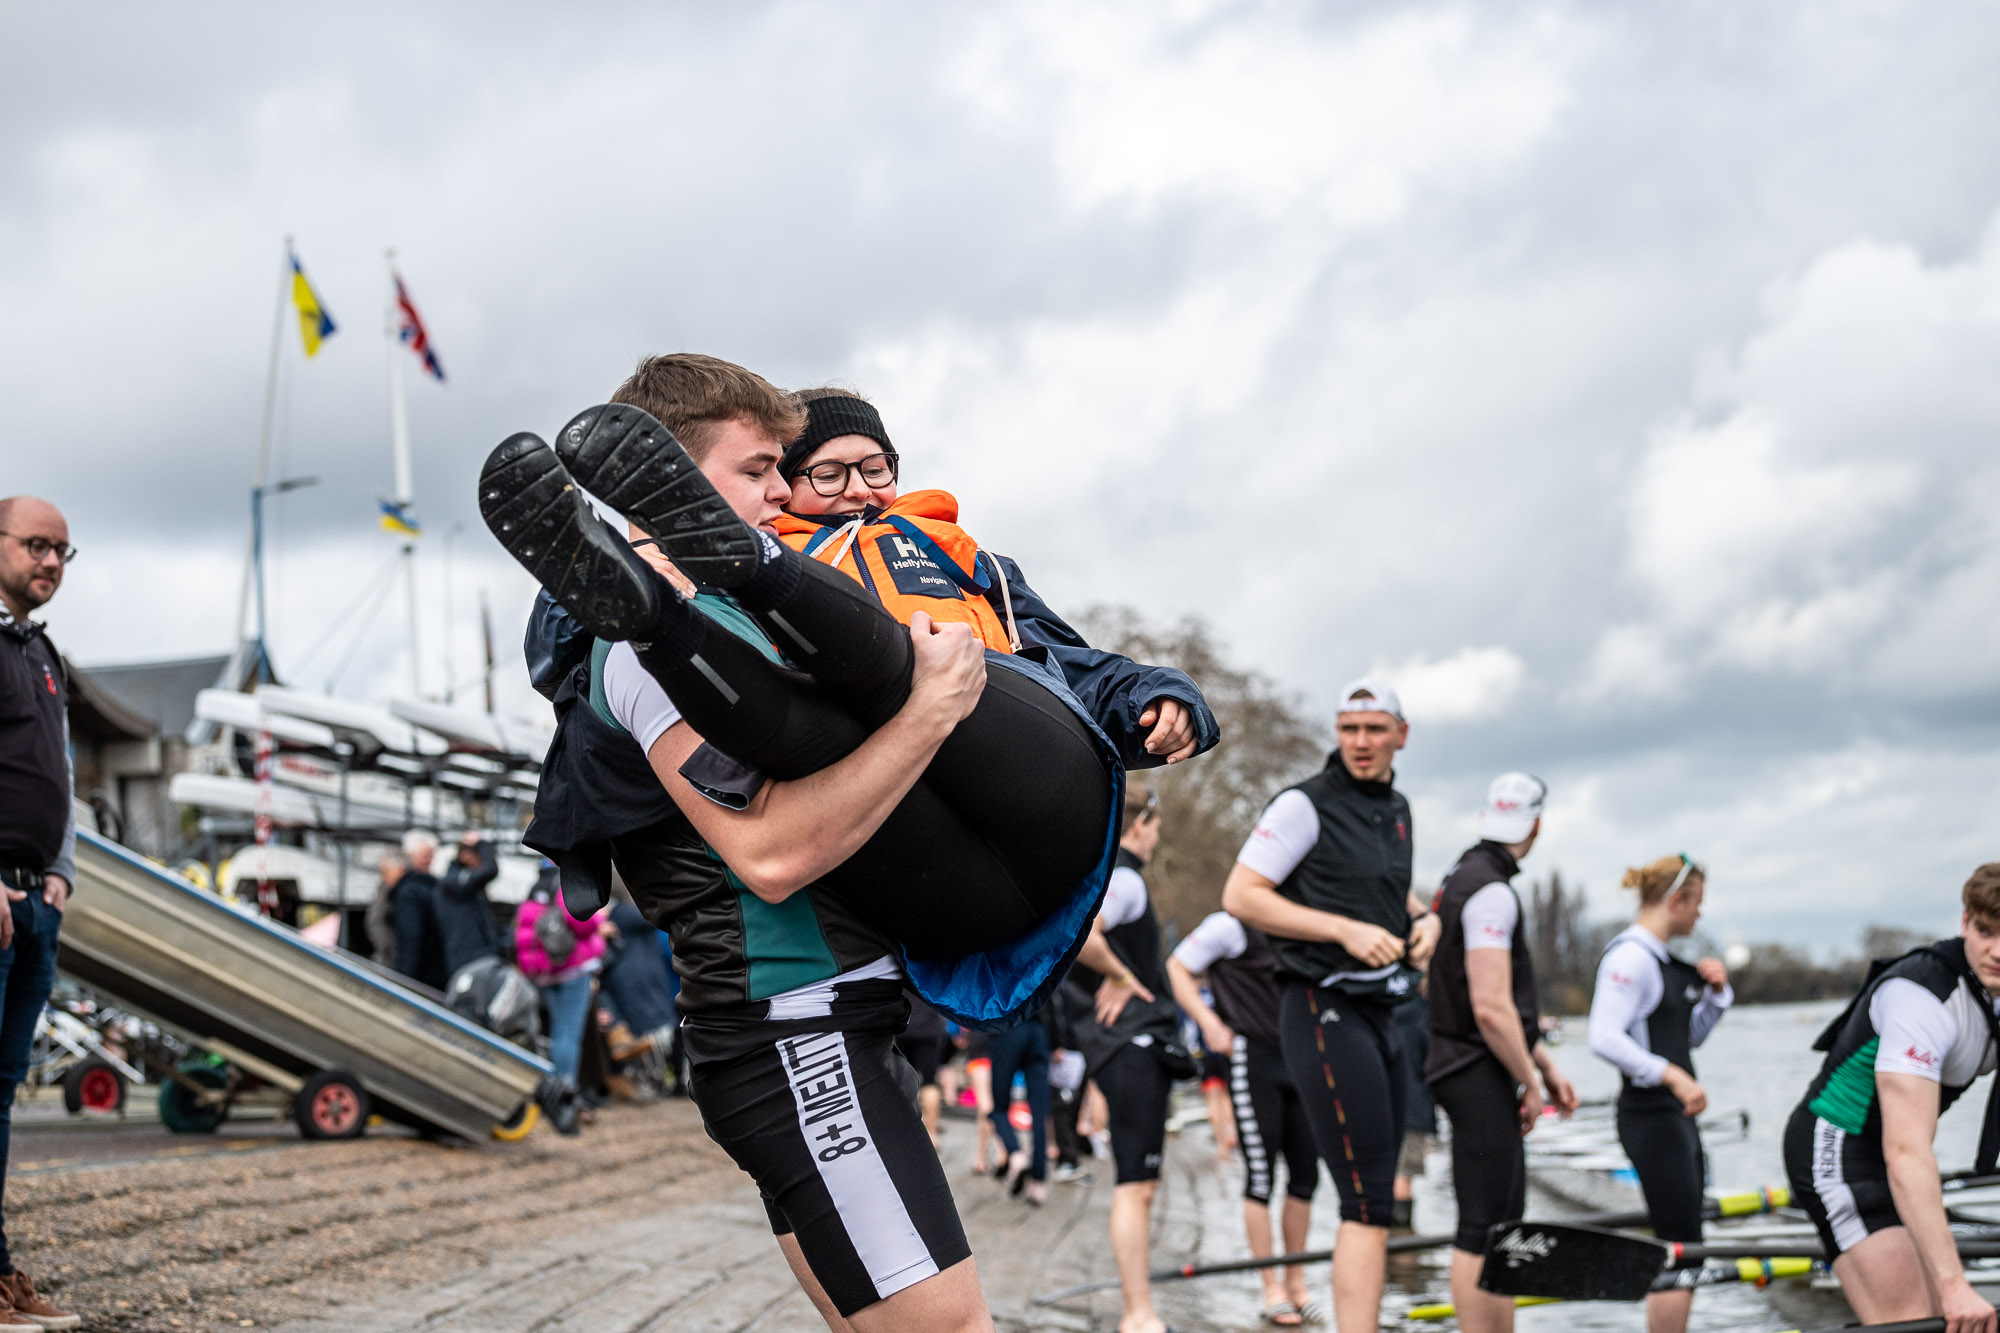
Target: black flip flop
<point>535,509</point>
<point>625,458</point>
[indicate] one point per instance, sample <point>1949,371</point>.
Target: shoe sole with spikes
<point>625,458</point>
<point>538,513</point>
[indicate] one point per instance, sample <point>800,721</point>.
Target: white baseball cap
<point>1369,695</point>
<point>1513,804</point>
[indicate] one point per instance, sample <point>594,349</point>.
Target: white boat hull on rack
<point>294,806</point>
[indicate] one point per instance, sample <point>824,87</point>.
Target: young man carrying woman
<point>905,805</point>
<point>1649,1012</point>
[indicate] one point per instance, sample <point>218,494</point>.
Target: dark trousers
<point>1064,1105</point>
<point>1023,1049</point>
<point>27,970</point>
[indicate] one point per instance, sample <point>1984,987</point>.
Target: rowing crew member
<point>1859,1147</point>
<point>1648,1014</point>
<point>1488,1067</point>
<point>1326,874</point>
<point>1264,1105</point>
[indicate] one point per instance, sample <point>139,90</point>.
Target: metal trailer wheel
<point>331,1104</point>
<point>93,1085</point>
<point>182,1111</point>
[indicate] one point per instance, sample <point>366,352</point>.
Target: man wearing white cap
<point>1326,875</point>
<point>1488,1068</point>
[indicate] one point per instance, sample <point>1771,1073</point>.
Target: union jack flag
<point>412,332</point>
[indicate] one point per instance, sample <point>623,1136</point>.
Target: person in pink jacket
<point>559,953</point>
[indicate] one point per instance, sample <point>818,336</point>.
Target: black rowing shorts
<point>1136,1089</point>
<point>1489,1166</point>
<point>826,1123</point>
<point>1840,1180</point>
<point>1346,1059</point>
<point>1665,1148</point>
<point>1270,1123</point>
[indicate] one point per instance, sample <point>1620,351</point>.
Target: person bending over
<point>1858,1148</point>
<point>1326,874</point>
<point>1487,1065</point>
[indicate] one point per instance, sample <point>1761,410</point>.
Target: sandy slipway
<point>640,1224</point>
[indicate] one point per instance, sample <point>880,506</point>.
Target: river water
<point>1758,1061</point>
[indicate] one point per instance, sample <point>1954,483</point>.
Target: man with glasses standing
<point>37,830</point>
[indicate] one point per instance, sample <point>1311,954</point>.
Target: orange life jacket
<point>914,557</point>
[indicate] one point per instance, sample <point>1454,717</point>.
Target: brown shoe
<point>19,1290</point>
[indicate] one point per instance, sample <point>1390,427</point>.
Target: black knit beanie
<point>830,418</point>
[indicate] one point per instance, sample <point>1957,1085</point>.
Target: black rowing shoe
<point>1576,1263</point>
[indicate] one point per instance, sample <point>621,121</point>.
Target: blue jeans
<point>1023,1049</point>
<point>569,1010</point>
<point>27,970</point>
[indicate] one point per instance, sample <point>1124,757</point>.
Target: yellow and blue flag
<point>397,519</point>
<point>315,325</point>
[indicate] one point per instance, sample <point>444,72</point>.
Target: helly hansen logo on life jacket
<point>914,573</point>
<point>1402,829</point>
<point>49,678</point>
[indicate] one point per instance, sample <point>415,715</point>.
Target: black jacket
<point>1456,1041</point>
<point>465,926</point>
<point>36,830</point>
<point>1359,869</point>
<point>419,947</point>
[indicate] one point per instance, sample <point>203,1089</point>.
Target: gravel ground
<point>243,1239</point>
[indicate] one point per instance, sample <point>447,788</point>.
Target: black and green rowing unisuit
<point>1924,1014</point>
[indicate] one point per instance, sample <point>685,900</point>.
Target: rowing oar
<point>1758,1271</point>
<point>1577,1263</point>
<point>1747,1204</point>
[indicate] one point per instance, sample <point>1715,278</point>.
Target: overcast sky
<point>1621,381</point>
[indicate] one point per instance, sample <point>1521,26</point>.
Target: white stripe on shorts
<point>1256,1160</point>
<point>1828,1182</point>
<point>877,1224</point>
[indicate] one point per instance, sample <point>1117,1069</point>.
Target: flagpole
<point>255,553</point>
<point>399,440</point>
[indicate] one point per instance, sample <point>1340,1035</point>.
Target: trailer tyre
<point>181,1112</point>
<point>93,1085</point>
<point>520,1124</point>
<point>331,1104</point>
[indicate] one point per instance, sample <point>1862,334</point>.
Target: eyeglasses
<point>39,548</point>
<point>830,478</point>
<point>1688,867</point>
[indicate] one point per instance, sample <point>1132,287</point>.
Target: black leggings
<point>1489,1166</point>
<point>1010,815</point>
<point>1665,1148</point>
<point>1346,1059</point>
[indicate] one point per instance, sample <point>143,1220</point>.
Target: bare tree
<point>1209,804</point>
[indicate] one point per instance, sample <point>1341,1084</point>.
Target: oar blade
<point>1573,1263</point>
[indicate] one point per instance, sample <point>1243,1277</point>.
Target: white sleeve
<point>1620,1004</point>
<point>1219,936</point>
<point>1124,898</point>
<point>1285,832</point>
<point>1915,1028</point>
<point>1489,918</point>
<point>636,699</point>
<point>1708,1011</point>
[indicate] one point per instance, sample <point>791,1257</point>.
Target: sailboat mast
<point>399,441</point>
<point>262,476</point>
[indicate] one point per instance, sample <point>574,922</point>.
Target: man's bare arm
<point>1909,1128</point>
<point>1255,901</point>
<point>793,832</point>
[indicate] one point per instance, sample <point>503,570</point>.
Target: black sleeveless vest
<point>1359,868</point>
<point>1843,1092</point>
<point>1137,944</point>
<point>1456,1041</point>
<point>1669,1034</point>
<point>1245,989</point>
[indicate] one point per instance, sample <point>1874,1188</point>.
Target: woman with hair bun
<point>1649,1012</point>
